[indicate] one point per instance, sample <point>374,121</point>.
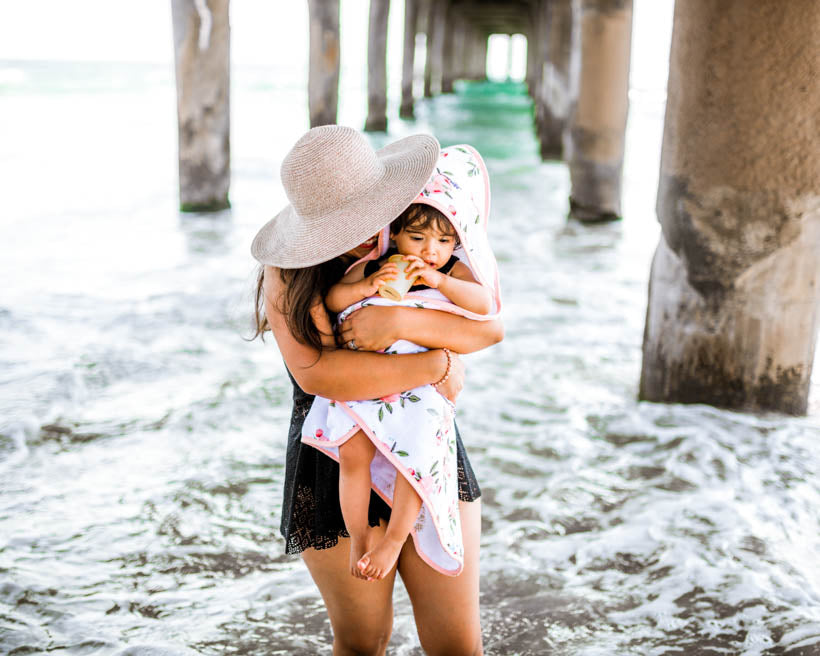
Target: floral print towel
<point>414,436</point>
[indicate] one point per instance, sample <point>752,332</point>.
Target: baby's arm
<point>354,287</point>
<point>459,286</point>
<point>465,291</point>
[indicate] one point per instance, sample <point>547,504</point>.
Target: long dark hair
<point>303,288</point>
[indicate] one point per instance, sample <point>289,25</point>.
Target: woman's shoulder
<point>272,285</point>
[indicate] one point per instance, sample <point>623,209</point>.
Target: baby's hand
<point>386,273</point>
<point>427,274</point>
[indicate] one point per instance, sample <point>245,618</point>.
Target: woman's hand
<point>375,327</point>
<point>451,387</point>
<point>370,328</point>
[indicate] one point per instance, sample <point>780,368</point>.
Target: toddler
<point>426,239</point>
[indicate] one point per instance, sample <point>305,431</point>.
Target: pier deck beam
<point>202,62</point>
<point>734,293</point>
<point>598,123</point>
<point>323,75</point>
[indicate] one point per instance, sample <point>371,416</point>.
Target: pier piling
<point>598,122</point>
<point>377,67</point>
<point>448,60</point>
<point>202,63</point>
<point>435,47</point>
<point>557,89</point>
<point>734,293</point>
<point>411,14</point>
<point>323,74</point>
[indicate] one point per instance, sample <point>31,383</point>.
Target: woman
<point>342,192</point>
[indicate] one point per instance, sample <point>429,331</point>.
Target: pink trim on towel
<point>318,442</point>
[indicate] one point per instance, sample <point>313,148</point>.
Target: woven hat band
<point>327,168</point>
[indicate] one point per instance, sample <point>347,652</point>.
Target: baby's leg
<point>354,494</point>
<point>406,505</point>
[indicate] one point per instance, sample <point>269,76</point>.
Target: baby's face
<point>430,244</point>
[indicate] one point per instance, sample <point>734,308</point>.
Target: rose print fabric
<point>413,431</point>
<point>414,436</point>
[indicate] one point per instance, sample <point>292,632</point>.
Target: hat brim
<point>288,242</point>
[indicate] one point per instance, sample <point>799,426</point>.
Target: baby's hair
<point>421,216</point>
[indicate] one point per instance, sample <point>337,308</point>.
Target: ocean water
<point>142,438</point>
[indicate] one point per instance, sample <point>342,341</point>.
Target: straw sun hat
<point>341,193</point>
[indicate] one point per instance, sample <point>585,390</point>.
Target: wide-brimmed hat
<point>341,193</point>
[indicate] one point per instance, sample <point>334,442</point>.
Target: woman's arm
<point>351,375</point>
<point>459,285</point>
<point>377,327</point>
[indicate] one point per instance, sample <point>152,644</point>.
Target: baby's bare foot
<point>377,562</point>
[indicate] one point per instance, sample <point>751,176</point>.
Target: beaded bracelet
<point>447,370</point>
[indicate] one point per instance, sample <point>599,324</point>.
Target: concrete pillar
<point>449,28</point>
<point>462,49</point>
<point>434,66</point>
<point>536,56</point>
<point>480,54</point>
<point>323,75</point>
<point>537,41</point>
<point>557,88</point>
<point>411,12</point>
<point>430,34</point>
<point>467,49</point>
<point>535,34</point>
<point>597,126</point>
<point>476,54</point>
<point>202,59</point>
<point>734,293</point>
<point>467,46</point>
<point>377,67</point>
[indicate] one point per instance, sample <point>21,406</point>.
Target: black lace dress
<point>311,515</point>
